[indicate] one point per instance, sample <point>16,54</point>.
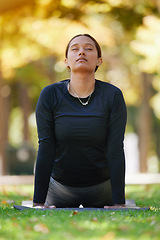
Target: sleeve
<point>46,150</point>
<point>115,148</point>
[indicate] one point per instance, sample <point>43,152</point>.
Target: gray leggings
<point>61,196</point>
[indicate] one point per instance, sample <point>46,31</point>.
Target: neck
<point>83,85</point>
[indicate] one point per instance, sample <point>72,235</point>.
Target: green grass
<point>51,225</point>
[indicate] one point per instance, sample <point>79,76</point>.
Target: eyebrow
<point>75,44</point>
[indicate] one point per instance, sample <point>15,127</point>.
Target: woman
<point>81,124</point>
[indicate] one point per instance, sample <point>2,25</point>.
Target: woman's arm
<point>46,150</point>
<point>115,150</point>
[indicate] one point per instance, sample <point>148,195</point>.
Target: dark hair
<point>93,39</point>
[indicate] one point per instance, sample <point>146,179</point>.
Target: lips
<point>81,59</point>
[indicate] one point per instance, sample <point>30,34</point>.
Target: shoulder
<point>53,88</point>
<point>51,93</point>
<point>107,86</point>
<point>112,96</point>
<point>108,89</point>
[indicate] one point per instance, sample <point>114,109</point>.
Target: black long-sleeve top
<point>80,145</point>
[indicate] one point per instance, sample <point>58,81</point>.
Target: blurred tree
<point>42,29</point>
<point>147,45</point>
<point>10,5</point>
<point>145,122</point>
<point>4,120</point>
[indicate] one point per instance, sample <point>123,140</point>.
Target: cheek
<point>71,57</point>
<point>93,55</point>
<point>71,53</point>
<point>93,59</point>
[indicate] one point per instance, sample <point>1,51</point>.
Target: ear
<point>99,61</point>
<point>66,62</point>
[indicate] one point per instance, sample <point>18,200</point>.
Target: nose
<point>81,52</point>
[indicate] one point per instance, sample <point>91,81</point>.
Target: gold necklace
<point>83,103</point>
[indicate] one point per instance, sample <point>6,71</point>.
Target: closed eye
<point>89,49</point>
<point>73,49</point>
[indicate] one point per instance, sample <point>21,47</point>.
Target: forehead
<point>82,40</point>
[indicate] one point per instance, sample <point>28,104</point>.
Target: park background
<point>33,37</point>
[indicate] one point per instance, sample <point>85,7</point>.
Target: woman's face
<point>82,55</point>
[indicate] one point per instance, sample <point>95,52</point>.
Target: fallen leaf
<point>4,202</point>
<point>75,212</point>
<point>41,227</point>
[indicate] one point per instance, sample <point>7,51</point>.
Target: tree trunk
<point>144,123</point>
<point>25,106</point>
<point>4,120</point>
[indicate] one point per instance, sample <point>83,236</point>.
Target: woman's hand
<point>42,205</point>
<point>116,206</point>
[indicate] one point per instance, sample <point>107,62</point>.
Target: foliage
<point>147,44</point>
<point>34,36</point>
<point>35,32</point>
<point>48,224</point>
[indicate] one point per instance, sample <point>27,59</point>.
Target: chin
<point>83,69</point>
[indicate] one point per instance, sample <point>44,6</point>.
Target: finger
<point>39,207</point>
<point>50,207</point>
<point>53,206</point>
